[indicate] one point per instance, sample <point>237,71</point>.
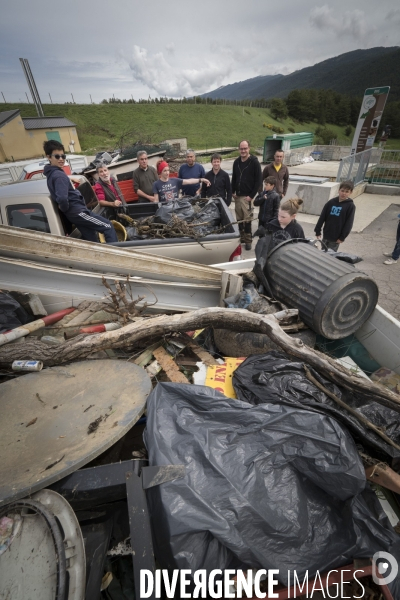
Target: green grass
<point>100,126</point>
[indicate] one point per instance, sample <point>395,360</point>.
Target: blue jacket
<point>69,200</point>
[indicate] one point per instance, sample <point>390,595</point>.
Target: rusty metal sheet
<point>80,409</point>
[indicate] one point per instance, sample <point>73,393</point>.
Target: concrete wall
<point>38,136</point>
<point>15,142</point>
<point>314,195</point>
<point>18,143</point>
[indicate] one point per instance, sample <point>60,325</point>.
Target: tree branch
<point>223,318</point>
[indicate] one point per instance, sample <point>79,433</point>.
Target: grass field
<point>100,126</point>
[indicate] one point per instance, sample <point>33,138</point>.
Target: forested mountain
<point>350,73</point>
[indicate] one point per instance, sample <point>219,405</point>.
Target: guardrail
<point>388,169</point>
<point>359,166</point>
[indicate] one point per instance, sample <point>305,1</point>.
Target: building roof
<point>46,122</point>
<point>8,115</point>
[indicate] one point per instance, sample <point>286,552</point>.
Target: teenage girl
<point>285,226</point>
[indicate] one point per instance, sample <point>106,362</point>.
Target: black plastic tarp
<point>266,486</point>
<point>276,377</point>
<point>12,314</point>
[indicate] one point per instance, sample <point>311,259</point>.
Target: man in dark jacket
<point>246,183</point>
<point>268,201</point>
<point>280,171</point>
<point>70,201</point>
<point>220,182</point>
<point>337,217</point>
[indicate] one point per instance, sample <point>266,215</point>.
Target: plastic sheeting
<point>12,314</point>
<point>181,208</point>
<point>344,256</point>
<point>266,486</point>
<point>210,217</point>
<point>277,378</point>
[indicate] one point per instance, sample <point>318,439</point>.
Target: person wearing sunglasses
<point>70,201</point>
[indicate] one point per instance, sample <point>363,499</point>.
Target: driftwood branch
<point>349,409</point>
<point>223,318</point>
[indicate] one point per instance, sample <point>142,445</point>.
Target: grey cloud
<point>154,71</point>
<point>393,16</point>
<point>350,24</point>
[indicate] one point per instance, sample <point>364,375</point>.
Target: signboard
<point>219,377</point>
<point>370,116</point>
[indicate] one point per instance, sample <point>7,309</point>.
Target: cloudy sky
<point>131,48</point>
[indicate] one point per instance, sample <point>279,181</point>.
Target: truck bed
<point>213,248</point>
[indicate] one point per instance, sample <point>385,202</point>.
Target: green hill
<point>350,73</point>
<point>100,126</point>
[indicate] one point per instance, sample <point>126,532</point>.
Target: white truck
<point>33,169</point>
<point>28,205</point>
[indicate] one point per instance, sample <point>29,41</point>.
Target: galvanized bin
<point>333,297</point>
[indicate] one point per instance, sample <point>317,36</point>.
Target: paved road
<point>377,238</point>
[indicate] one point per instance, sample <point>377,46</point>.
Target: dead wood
<point>223,318</point>
<point>350,409</point>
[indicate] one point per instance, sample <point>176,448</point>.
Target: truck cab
<point>28,205</point>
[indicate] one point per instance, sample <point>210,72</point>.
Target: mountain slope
<point>350,73</point>
<point>242,89</point>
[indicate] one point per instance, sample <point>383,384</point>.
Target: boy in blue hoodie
<point>70,201</point>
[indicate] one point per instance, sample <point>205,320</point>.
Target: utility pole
<point>90,96</point>
<point>3,98</point>
<point>132,96</point>
<point>32,86</point>
<point>72,98</point>
<point>27,97</point>
<point>50,98</point>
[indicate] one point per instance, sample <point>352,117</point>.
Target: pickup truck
<point>28,205</point>
<point>33,169</point>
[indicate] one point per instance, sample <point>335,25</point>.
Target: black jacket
<point>337,219</point>
<point>280,234</point>
<point>269,206</point>
<point>220,186</point>
<point>246,176</point>
<point>69,200</point>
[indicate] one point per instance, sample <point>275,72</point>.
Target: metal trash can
<point>333,297</point>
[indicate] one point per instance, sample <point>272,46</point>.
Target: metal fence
<point>359,166</point>
<point>387,171</point>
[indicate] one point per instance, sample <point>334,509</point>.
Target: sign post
<point>368,121</point>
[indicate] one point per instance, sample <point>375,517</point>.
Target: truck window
<point>28,216</point>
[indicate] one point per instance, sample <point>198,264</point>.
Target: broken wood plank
<point>230,286</point>
<point>145,357</point>
<point>384,476</point>
<point>202,354</point>
<point>169,366</point>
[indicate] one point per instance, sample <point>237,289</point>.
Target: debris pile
<point>268,443</point>
<point>191,218</point>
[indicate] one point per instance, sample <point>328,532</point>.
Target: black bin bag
<point>269,486</point>
<point>277,377</point>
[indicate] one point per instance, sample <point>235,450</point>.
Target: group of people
<point>155,185</point>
